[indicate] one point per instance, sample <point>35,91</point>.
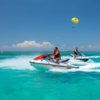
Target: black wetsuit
<point>76,52</point>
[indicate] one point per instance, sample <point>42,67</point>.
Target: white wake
<point>22,63</point>
<point>89,66</point>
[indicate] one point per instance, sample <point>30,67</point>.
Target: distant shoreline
<point>49,51</point>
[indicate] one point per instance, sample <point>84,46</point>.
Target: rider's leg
<point>75,55</point>
<point>57,60</point>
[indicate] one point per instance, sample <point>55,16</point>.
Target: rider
<point>56,53</point>
<point>75,52</point>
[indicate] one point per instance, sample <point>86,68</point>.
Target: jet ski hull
<point>81,58</point>
<point>41,65</point>
<point>86,59</point>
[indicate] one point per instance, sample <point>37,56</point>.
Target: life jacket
<point>58,55</point>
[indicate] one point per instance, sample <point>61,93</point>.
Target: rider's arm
<point>52,53</point>
<point>79,52</point>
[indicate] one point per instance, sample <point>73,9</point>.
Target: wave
<point>94,56</point>
<point>22,63</point>
<point>89,66</point>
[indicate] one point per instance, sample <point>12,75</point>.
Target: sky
<point>40,25</point>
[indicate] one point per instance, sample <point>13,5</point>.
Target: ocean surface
<point>21,81</point>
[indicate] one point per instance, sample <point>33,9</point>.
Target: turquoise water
<point>20,81</point>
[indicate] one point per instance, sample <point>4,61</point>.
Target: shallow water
<point>21,81</point>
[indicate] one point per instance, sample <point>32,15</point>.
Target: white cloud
<point>94,46</point>
<point>98,46</point>
<point>32,44</point>
<point>81,47</point>
<point>90,46</point>
<point>63,45</point>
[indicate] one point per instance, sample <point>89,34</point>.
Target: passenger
<point>76,52</point>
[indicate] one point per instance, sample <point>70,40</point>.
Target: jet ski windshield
<point>46,56</point>
<point>39,57</point>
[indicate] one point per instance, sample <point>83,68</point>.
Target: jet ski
<point>81,57</point>
<point>47,62</point>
